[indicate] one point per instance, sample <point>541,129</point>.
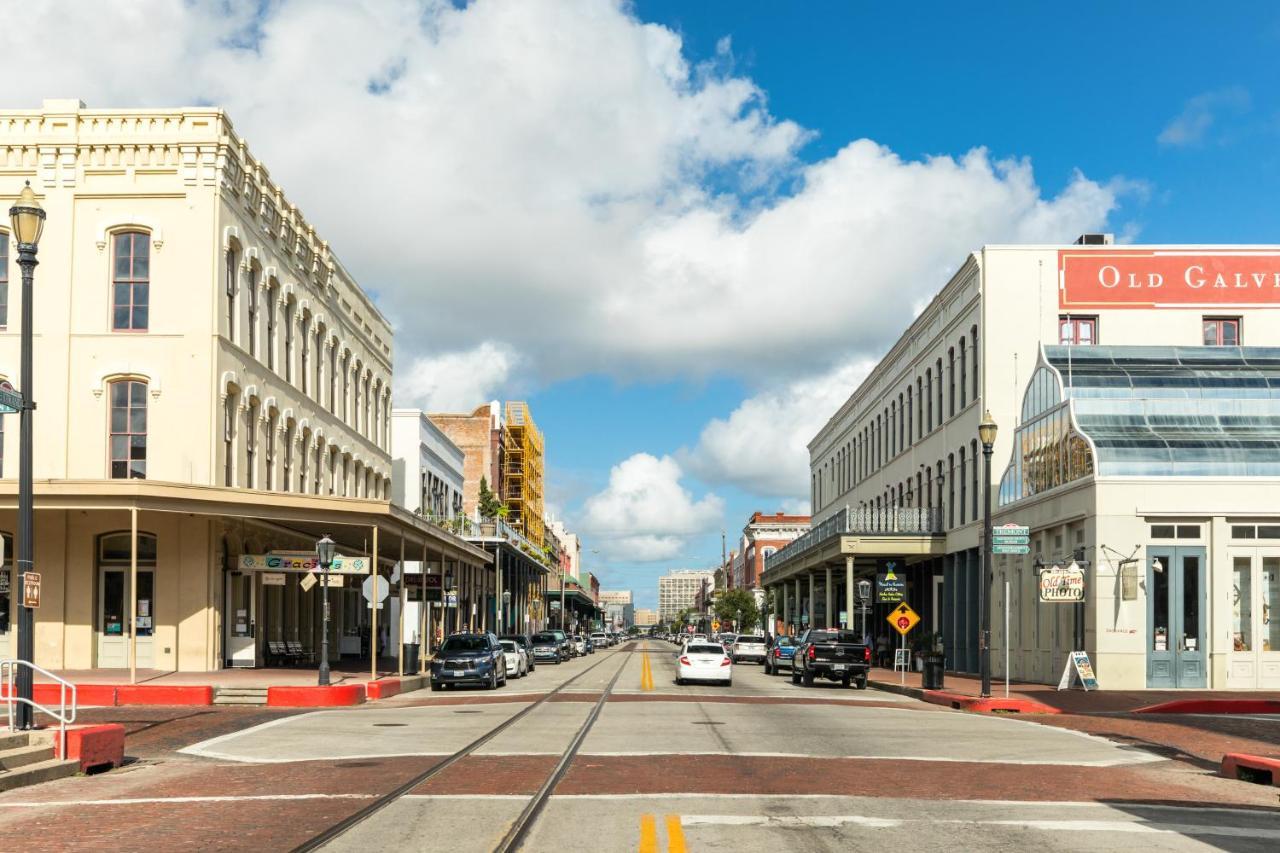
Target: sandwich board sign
<point>1078,667</point>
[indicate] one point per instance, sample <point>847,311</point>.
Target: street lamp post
<point>506,609</point>
<point>864,595</point>
<point>324,555</point>
<point>27,217</point>
<point>987,435</point>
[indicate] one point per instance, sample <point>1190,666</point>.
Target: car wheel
<point>807,678</point>
<point>767,671</point>
<point>844,682</point>
<point>728,682</point>
<point>862,682</point>
<point>795,676</point>
<point>435,685</point>
<point>493,680</point>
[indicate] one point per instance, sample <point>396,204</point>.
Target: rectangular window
<point>1242,605</point>
<point>4,280</point>
<point>130,282</point>
<point>1077,331</point>
<point>1162,531</point>
<point>1222,331</point>
<point>231,294</point>
<point>128,430</point>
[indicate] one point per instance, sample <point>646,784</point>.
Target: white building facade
<point>678,591</point>
<point>427,471</point>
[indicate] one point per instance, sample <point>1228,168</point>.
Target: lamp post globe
<point>325,550</point>
<point>27,218</point>
<point>987,435</point>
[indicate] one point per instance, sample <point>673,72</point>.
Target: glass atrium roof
<point>1175,411</point>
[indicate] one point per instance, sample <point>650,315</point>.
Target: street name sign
<point>998,548</point>
<point>1010,530</point>
<point>10,398</point>
<point>903,618</point>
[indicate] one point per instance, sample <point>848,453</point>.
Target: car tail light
<point>684,659</point>
<point>811,653</point>
<point>777,653</point>
<point>725,662</point>
<point>866,654</point>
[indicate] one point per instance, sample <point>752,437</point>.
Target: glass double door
<point>1254,656</point>
<point>114,634</point>
<point>1176,635</point>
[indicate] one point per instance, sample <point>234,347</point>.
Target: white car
<point>517,659</point>
<point>579,644</point>
<point>600,639</point>
<point>703,661</point>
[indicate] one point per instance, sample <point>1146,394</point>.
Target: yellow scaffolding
<point>523,474</point>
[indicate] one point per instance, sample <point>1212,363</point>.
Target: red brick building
<point>763,535</point>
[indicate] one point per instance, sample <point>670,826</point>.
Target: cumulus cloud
<point>455,381</point>
<point>762,446</point>
<point>645,514</point>
<point>557,177</point>
<point>1191,126</point>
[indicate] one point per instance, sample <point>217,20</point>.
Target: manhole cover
<point>389,725</point>
<point>708,723</point>
<point>468,712</point>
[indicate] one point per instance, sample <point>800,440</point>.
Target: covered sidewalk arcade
<point>813,580</point>
<point>154,577</point>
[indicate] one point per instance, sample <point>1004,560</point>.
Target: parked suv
<point>469,659</point>
<point>549,647</point>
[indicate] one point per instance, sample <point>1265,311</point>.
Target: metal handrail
<point>9,668</point>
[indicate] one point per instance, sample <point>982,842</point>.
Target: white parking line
<point>829,821</point>
<point>141,801</point>
<point>1131,758</point>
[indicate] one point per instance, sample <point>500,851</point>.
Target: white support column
<point>848,592</point>
<point>830,620</point>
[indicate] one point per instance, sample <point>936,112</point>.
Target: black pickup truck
<point>831,654</point>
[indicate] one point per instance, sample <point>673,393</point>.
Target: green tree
<point>488,503</point>
<point>738,606</point>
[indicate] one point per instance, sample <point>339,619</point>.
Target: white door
<point>1254,656</point>
<point>113,618</point>
<point>242,646</point>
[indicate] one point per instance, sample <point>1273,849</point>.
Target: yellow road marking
<point>646,672</point>
<point>648,834</point>
<point>675,834</point>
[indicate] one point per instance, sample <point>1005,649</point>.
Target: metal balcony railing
<point>864,521</point>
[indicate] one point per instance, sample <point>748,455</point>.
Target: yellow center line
<point>675,834</point>
<point>646,672</point>
<point>648,834</point>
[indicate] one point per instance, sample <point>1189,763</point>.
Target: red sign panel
<point>1144,278</point>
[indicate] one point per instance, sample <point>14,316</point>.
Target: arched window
<point>228,441</point>
<point>346,388</point>
<point>251,445</point>
<point>4,286</point>
<point>920,413</point>
<point>286,476</point>
<point>318,473</point>
<point>938,365</point>
<point>232,263</point>
<point>318,389</point>
<point>964,374</point>
<point>304,459</point>
<point>255,273</point>
<point>306,350</point>
<point>902,421</point>
<point>928,390</point>
<point>973,451</point>
<point>973,338</point>
<point>910,415</point>
<point>130,281</point>
<point>333,471</point>
<point>333,376</point>
<point>272,288</point>
<point>962,485</point>
<point>128,429</point>
<point>951,382</point>
<point>951,490</point>
<point>290,309</point>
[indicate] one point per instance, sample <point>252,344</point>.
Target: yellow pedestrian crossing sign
<point>903,618</point>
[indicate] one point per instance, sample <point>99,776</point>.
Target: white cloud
<point>556,177</point>
<point>1200,113</point>
<point>762,446</point>
<point>645,514</point>
<point>455,381</point>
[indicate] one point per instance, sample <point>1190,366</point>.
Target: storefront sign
<point>307,582</point>
<point>1143,278</point>
<point>302,561</point>
<point>31,589</point>
<point>889,587</point>
<point>1058,584</point>
<point>273,578</point>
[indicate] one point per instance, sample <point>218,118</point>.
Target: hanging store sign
<point>1059,585</point>
<point>10,398</point>
<point>301,561</point>
<point>273,578</point>
<point>1143,278</point>
<point>889,587</point>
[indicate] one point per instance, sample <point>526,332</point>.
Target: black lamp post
<point>987,435</point>
<point>27,217</point>
<point>324,555</point>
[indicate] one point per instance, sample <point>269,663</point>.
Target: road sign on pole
<point>1000,548</point>
<point>10,398</point>
<point>31,589</point>
<point>903,618</point>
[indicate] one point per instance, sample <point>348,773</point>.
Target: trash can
<point>934,665</point>
<point>410,657</point>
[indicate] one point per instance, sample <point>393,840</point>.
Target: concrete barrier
<point>316,697</point>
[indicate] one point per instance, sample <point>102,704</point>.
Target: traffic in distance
<point>490,661</point>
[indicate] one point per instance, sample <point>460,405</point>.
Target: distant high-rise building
<point>678,590</point>
<point>646,617</point>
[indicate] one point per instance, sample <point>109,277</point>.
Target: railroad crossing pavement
<point>763,764</point>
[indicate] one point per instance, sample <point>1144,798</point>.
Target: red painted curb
<point>1233,762</point>
<point>963,702</point>
<point>1213,706</point>
<point>384,689</point>
<point>315,697</point>
<point>163,694</point>
<point>96,747</point>
<point>50,695</point>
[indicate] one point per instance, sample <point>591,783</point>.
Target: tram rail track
<point>519,829</point>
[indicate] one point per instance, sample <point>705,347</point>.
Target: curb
<point>1213,706</point>
<point>334,695</point>
<point>964,702</point>
<point>1251,768</point>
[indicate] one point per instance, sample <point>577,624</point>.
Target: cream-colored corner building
<point>208,375</point>
<point>1179,466</point>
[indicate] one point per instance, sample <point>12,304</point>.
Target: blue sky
<point>683,231</point>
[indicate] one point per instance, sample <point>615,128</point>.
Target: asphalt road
<point>763,765</point>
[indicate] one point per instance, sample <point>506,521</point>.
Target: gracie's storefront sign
<point>1143,278</point>
<point>301,561</point>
